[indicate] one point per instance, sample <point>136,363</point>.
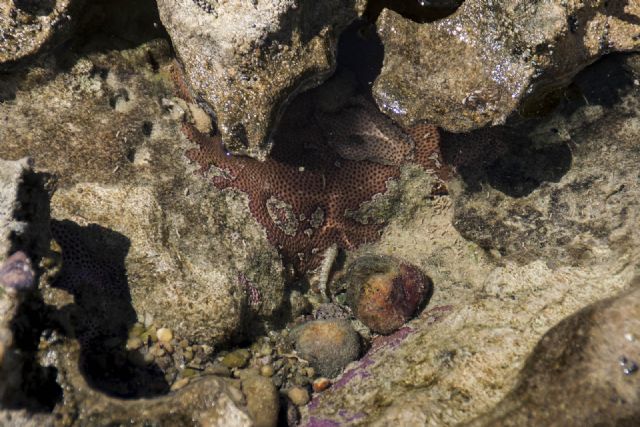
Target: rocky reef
<point>247,60</point>
<point>487,60</point>
<point>350,268</point>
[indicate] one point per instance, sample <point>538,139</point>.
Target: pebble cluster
<point>279,372</point>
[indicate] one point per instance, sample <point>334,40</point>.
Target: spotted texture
<point>302,193</point>
<point>333,152</point>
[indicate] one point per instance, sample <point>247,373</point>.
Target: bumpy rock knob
<point>384,293</point>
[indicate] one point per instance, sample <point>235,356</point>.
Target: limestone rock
<point>206,402</point>
<point>247,59</point>
<point>128,196</point>
<point>591,354</point>
<point>475,67</point>
<point>464,353</point>
<point>27,26</point>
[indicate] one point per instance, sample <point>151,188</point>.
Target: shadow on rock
<point>93,271</point>
<point>505,159</point>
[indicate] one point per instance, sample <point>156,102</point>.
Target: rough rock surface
<point>208,401</point>
<point>463,354</point>
<point>27,26</point>
<point>247,59</point>
<point>592,354</point>
<point>21,227</point>
<point>107,129</point>
<point>477,66</point>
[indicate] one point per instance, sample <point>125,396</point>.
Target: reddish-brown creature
<point>304,194</point>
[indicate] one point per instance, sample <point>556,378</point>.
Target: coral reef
<point>475,67</point>
<point>307,195</point>
<point>246,60</point>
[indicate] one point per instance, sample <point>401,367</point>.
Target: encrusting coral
<point>305,194</point>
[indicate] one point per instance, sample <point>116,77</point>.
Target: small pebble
<point>218,369</point>
<point>149,358</point>
<point>266,371</point>
<point>136,330</point>
<point>179,384</point>
<point>236,359</point>
<point>164,334</point>
<point>188,372</point>
<point>321,384</point>
<point>167,346</point>
<point>298,395</point>
<point>134,343</point>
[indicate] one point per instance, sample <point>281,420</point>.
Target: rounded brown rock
<point>328,345</point>
<point>384,293</point>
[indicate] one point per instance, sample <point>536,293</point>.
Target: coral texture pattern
<point>306,194</point>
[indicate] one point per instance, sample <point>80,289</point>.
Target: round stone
<point>236,359</point>
<point>266,371</point>
<point>298,395</point>
<point>384,293</point>
<point>328,345</point>
<point>164,334</point>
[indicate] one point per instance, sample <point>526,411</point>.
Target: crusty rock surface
<point>247,59</point>
<point>26,26</point>
<point>517,276</point>
<point>207,401</point>
<point>477,66</point>
<point>107,128</point>
<point>591,354</point>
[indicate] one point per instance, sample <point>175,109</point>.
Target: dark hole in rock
<point>93,271</point>
<point>359,61</point>
<point>147,128</point>
<point>153,62</point>
<point>37,389</point>
<point>361,52</point>
<point>36,7</point>
<point>416,10</point>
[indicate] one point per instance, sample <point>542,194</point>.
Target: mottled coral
<point>303,193</point>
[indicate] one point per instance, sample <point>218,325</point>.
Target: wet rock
<point>262,400</point>
<point>549,197</point>
<point>27,26</point>
<point>129,206</point>
<point>384,293</point>
<point>591,354</point>
<point>477,66</point>
<point>247,59</point>
<point>463,354</point>
<point>207,401</point>
<point>328,345</point>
